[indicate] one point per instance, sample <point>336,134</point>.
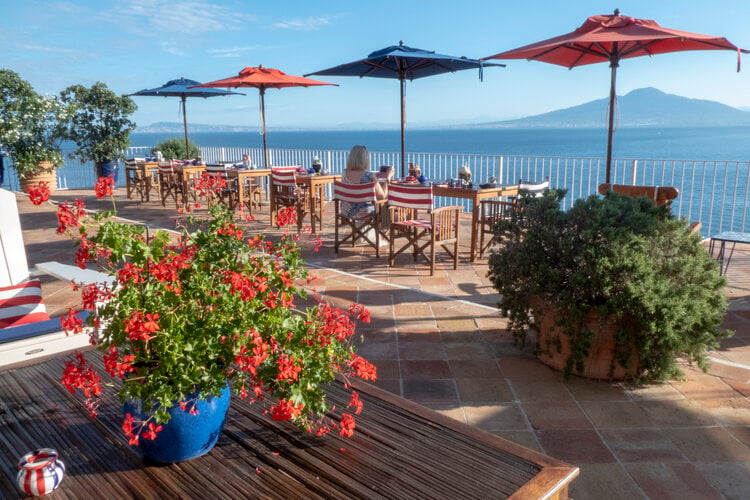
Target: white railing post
<point>633,175</point>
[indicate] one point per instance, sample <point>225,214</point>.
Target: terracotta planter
<point>553,345</point>
<point>50,177</point>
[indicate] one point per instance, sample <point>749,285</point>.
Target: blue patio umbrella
<point>181,88</point>
<point>404,63</point>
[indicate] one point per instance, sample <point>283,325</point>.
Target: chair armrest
<point>74,273</point>
<point>447,209</point>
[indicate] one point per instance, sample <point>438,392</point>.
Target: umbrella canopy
<point>263,78</point>
<point>182,88</point>
<point>403,63</point>
<point>610,38</point>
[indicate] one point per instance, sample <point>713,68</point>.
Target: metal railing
<point>712,192</point>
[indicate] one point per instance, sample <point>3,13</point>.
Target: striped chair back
<point>166,167</point>
<point>354,193</point>
<point>536,189</point>
<point>283,176</point>
<point>417,197</point>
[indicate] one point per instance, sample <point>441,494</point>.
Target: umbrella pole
<point>184,123</point>
<point>611,126</point>
<point>403,125</point>
<point>263,125</point>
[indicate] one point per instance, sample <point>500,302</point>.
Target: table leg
<point>474,229</point>
<point>321,204</point>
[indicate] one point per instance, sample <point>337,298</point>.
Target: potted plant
<point>613,288</point>
<point>30,130</point>
<point>190,318</point>
<point>174,149</point>
<point>100,125</point>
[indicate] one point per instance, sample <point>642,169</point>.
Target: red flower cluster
<point>71,323</point>
<point>363,368</point>
<point>69,216</point>
<point>134,429</point>
<point>287,216</point>
<point>288,370</point>
<point>116,368</point>
<point>347,425</point>
<point>39,193</point>
<point>286,410</point>
<point>81,375</point>
<point>355,403</point>
<point>140,326</point>
<point>103,186</point>
<point>210,185</point>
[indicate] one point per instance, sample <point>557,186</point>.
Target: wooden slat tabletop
<point>399,450</point>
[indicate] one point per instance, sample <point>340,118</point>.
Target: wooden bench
<point>399,450</point>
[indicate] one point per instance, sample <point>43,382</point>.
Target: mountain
<point>194,127</point>
<point>647,107</point>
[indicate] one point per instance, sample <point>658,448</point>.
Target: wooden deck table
<point>475,194</point>
<point>399,450</point>
<point>247,175</point>
<point>316,184</point>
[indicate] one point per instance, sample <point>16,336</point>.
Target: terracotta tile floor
<point>440,342</point>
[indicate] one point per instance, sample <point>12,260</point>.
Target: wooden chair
<point>170,184</point>
<point>423,235</point>
<point>32,333</point>
<point>536,189</point>
<point>367,228</point>
<point>490,213</point>
<point>659,195</point>
<point>285,193</point>
<point>251,192</point>
<point>227,193</point>
<point>135,181</point>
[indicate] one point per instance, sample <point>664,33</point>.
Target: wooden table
<point>476,195</point>
<point>149,173</point>
<point>246,175</point>
<point>315,185</point>
<point>399,450</point>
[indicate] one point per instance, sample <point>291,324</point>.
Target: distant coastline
<point>647,107</point>
<point>687,143</point>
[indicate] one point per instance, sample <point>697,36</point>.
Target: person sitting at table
<point>358,172</point>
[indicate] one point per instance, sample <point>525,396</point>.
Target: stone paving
<point>439,341</point>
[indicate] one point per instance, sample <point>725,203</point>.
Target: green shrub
<point>618,256</point>
<point>174,149</point>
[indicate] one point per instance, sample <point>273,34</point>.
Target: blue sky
<point>136,44</point>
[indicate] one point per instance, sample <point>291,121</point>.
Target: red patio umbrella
<point>611,38</point>
<point>264,78</point>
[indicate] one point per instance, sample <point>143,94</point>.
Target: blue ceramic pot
<point>107,168</point>
<point>185,436</point>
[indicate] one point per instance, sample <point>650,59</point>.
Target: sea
<point>674,143</point>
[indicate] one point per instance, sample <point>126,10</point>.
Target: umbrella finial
<point>617,12</point>
<point>400,42</point>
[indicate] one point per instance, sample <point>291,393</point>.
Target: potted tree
<point>99,124</point>
<point>174,149</point>
<point>31,127</point>
<point>614,288</point>
<point>190,318</point>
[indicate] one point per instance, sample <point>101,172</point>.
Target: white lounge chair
<point>28,341</point>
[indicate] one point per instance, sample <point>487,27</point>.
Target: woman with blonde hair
<point>358,172</point>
